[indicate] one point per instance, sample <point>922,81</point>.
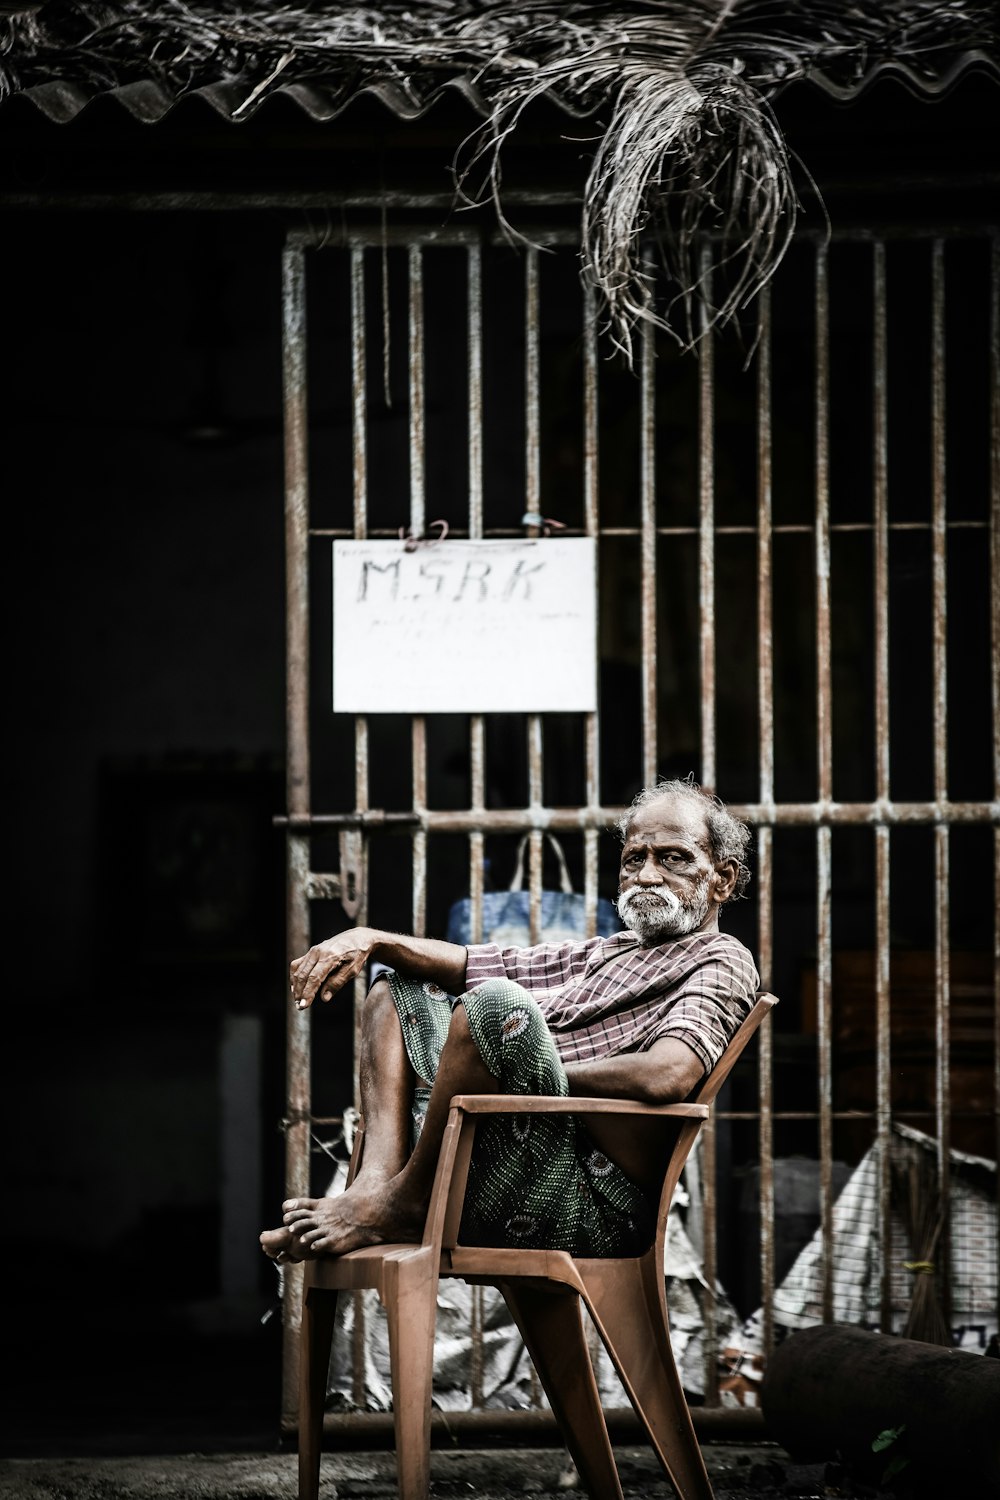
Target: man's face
<point>668,885</point>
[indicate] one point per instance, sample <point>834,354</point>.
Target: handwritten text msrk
<point>465,626</point>
<point>449,579</point>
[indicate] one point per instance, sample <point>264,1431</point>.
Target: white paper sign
<point>465,627</point>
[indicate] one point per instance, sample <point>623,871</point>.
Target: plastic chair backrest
<point>710,1087</point>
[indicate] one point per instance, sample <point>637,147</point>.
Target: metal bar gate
<point>818,538</point>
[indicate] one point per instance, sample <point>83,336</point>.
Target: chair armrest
<point>575,1104</point>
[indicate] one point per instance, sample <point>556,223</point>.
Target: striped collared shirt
<point>609,995</point>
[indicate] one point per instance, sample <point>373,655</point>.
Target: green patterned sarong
<point>534,1181</point>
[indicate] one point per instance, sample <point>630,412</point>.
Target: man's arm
<point>329,966</point>
<point>664,1074</point>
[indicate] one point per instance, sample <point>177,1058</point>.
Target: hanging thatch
<point>690,153</point>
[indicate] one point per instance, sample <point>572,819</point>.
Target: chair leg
<point>409,1291</point>
<point>319,1308</point>
<point>630,1314</point>
<point>551,1325</point>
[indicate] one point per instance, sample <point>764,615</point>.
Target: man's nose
<point>650,874</point>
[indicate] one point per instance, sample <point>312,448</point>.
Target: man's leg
<point>386,1092</point>
<point>386,1204</point>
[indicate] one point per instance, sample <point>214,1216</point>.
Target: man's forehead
<point>665,819</point>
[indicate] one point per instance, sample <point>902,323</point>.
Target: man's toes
<point>290,1204</point>
<point>299,1216</point>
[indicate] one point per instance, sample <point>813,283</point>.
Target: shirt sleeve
<point>710,1004</point>
<point>483,961</point>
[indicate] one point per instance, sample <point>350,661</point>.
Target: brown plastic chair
<point>625,1298</point>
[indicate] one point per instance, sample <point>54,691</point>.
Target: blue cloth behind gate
<point>505,913</point>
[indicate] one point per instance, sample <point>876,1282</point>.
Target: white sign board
<point>465,627</point>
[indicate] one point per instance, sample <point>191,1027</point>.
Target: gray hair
<point>728,838</point>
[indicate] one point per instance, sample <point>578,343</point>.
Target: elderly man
<point>643,1015</point>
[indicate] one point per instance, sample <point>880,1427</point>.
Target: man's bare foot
<point>280,1245</point>
<point>362,1215</point>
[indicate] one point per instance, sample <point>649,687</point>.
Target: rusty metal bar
<point>783,529</point>
<point>942,958</point>
<point>532,463</point>
<point>647,501</point>
<point>824,758</point>
<point>995,628</point>
<point>418,733</point>
<point>297,1062</point>
<point>591,514</point>
<point>376,1429</point>
<point>880,502</point>
<point>535,836</point>
<point>423,235</point>
<point>706,637</point>
<point>765,756</point>
<point>359,372</point>
<point>706,533</point>
<point>592,770</point>
<point>359,449</point>
<point>474,347</point>
<point>568,819</point>
<point>416,384</point>
<point>333,236</point>
<point>533,501</point>
<point>477,731</point>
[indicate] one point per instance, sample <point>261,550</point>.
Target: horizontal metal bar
<point>375,1428</point>
<point>566,819</point>
<point>200,199</point>
<point>852,1114</point>
<point>341,236</point>
<point>786,1114</point>
<point>373,817</point>
<point>787,530</point>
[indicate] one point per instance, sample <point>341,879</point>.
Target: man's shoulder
<point>693,947</point>
<point>714,951</point>
<point>677,957</point>
<point>716,941</point>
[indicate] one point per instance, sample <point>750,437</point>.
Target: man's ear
<point>724,881</point>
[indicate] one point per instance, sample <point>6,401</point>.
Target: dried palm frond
<point>691,156</point>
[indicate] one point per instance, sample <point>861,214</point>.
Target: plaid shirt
<point>609,995</point>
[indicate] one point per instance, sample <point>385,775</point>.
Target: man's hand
<point>329,966</point>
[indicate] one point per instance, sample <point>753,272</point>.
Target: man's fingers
<point>329,976</point>
<point>314,966</point>
<point>326,968</point>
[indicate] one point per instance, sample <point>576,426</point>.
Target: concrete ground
<point>125,1402</point>
<point>737,1473</point>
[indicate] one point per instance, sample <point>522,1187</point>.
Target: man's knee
<point>513,1039</point>
<point>379,1011</point>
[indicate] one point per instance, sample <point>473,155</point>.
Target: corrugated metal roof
<point>324,98</point>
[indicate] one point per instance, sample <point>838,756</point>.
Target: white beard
<point>654,915</point>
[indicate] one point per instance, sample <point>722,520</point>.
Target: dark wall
<point>143,486</point>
